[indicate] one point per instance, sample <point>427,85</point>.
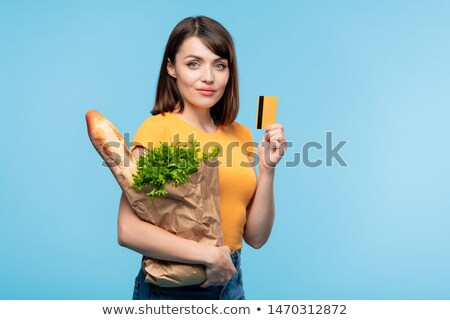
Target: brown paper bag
<point>190,211</point>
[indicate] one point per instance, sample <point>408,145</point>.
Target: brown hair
<point>219,41</point>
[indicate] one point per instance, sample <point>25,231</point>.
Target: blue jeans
<point>233,290</point>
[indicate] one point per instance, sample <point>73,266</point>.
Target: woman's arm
<point>261,209</point>
<point>152,241</point>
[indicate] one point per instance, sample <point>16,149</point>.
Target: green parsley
<point>169,163</point>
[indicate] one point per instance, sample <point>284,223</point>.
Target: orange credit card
<point>267,111</point>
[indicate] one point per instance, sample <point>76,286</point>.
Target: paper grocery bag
<point>190,211</point>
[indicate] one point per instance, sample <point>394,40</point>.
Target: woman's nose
<point>207,75</point>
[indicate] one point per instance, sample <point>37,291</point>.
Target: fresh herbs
<point>169,163</point>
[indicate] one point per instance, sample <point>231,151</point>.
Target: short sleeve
<point>150,133</point>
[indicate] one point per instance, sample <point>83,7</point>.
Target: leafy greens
<point>169,163</point>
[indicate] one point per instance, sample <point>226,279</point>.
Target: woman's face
<point>201,75</point>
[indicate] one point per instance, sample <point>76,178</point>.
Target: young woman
<point>197,97</point>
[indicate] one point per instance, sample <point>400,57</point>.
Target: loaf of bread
<point>111,146</point>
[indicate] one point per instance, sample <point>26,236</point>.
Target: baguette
<point>111,146</point>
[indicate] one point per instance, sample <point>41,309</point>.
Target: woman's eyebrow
<point>192,56</point>
<point>200,58</point>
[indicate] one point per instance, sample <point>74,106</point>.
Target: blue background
<point>376,74</point>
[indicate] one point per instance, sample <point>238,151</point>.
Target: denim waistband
<point>236,258</point>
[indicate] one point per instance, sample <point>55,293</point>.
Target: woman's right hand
<point>219,268</point>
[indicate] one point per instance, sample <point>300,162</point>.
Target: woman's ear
<point>171,69</point>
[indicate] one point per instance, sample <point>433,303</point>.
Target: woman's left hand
<point>272,146</point>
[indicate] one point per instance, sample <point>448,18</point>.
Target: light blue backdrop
<point>376,74</point>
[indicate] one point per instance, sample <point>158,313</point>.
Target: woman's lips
<point>206,92</point>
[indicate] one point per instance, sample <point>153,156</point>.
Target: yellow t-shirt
<point>237,176</point>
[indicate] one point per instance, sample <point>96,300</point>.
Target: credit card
<point>267,111</point>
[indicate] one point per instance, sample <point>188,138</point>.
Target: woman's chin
<point>203,105</point>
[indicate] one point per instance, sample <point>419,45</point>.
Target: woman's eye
<point>193,65</point>
<point>220,66</point>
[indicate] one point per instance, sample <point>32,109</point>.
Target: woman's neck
<point>198,117</point>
